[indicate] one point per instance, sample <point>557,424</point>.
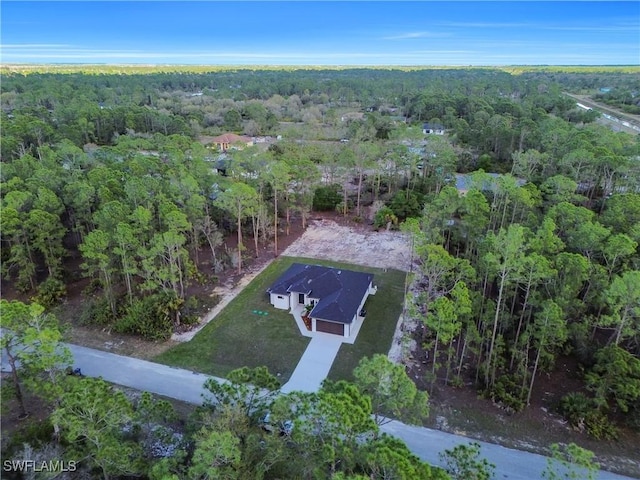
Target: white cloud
<point>616,27</point>
<point>481,53</point>
<point>486,25</point>
<point>33,45</point>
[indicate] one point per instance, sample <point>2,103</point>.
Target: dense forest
<point>113,178</point>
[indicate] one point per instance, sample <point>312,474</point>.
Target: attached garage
<point>330,327</point>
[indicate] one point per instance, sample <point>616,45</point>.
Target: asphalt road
<point>187,386</point>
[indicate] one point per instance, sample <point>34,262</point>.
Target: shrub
<point>407,204</point>
<point>340,207</point>
<point>456,382</point>
<point>34,432</point>
<point>509,392</point>
<point>194,306</point>
<point>97,312</point>
<point>326,198</point>
<point>50,292</point>
<point>383,217</point>
<point>574,407</point>
<point>599,427</point>
<point>150,317</point>
<point>583,414</point>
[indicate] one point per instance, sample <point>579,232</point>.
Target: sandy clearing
<point>326,240</point>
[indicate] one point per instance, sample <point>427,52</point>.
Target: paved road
<point>140,374</point>
<point>187,386</point>
<point>510,464</point>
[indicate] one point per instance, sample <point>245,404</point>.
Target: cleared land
<point>325,239</point>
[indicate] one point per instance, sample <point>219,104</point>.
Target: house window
<point>301,298</point>
<point>280,297</point>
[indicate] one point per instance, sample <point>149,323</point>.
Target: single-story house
<point>332,299</point>
<point>433,129</point>
<point>230,140</point>
<point>464,182</point>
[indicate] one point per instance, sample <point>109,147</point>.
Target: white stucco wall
<point>280,301</point>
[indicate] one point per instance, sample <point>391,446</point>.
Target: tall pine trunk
<point>490,373</point>
<point>239,238</point>
<point>275,222</point>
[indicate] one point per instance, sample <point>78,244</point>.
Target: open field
<point>325,239</point>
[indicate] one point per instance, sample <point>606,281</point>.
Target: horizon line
<point>167,64</point>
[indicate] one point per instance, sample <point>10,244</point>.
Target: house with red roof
<point>230,140</point>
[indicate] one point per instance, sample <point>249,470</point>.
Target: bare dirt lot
<point>325,239</point>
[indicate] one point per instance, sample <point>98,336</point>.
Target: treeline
<point>138,213</point>
<point>44,108</point>
<point>511,277</point>
<point>245,428</point>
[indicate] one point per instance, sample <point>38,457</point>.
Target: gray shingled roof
<point>339,291</point>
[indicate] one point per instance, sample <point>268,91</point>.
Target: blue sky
<point>321,33</point>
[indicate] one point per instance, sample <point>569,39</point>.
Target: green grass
<point>376,334</point>
<point>238,337</point>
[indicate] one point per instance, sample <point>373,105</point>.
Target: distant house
<point>464,182</point>
<point>350,116</point>
<point>230,140</point>
<point>433,129</point>
<point>221,164</point>
<point>330,299</point>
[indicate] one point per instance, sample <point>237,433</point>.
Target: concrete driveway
<point>315,363</point>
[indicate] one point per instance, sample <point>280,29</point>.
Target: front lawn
<point>239,337</point>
